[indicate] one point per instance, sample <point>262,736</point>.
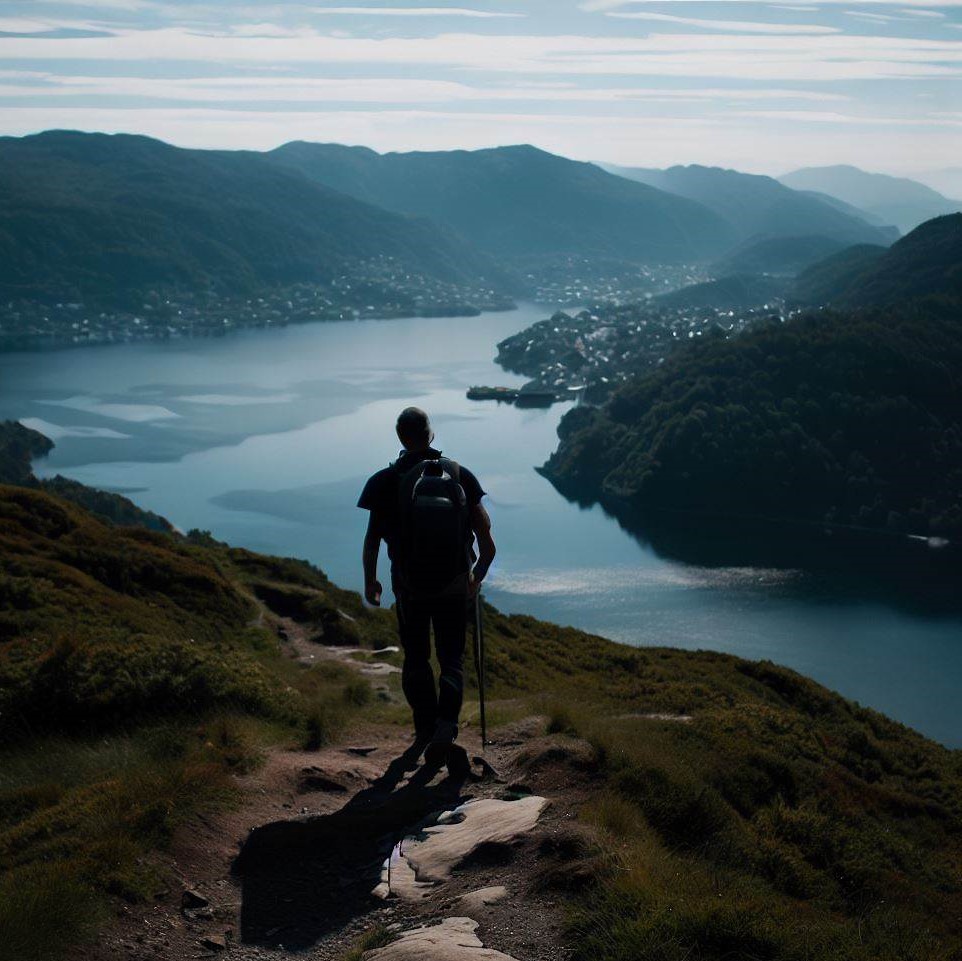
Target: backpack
<point>434,526</point>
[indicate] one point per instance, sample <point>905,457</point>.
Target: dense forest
<point>925,263</point>
<point>853,418</point>
<point>849,417</point>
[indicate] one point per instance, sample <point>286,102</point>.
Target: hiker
<point>428,510</point>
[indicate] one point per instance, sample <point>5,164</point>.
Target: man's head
<point>414,429</point>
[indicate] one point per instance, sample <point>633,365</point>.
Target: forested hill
<point>853,418</point>
<point>925,263</point>
<point>90,216</point>
<point>521,201</point>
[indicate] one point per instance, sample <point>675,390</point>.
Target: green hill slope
<point>138,673</point>
<point>737,290</point>
<point>853,418</point>
<point>925,263</point>
<point>782,256</point>
<point>91,216</point>
<point>520,201</point>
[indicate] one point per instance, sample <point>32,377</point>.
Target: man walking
<point>427,508</point>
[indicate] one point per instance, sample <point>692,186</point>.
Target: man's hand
<point>372,592</point>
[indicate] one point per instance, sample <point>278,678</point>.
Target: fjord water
<point>265,437</point>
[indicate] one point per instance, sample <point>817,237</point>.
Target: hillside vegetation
<point>850,418</point>
<point>103,218</point>
<point>138,670</point>
<point>927,263</point>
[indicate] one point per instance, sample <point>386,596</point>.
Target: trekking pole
<point>479,664</point>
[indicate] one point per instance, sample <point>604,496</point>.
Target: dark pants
<point>448,615</point>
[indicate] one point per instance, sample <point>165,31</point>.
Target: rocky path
<point>354,844</point>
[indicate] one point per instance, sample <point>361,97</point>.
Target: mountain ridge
<point>520,200</point>
<point>758,204</point>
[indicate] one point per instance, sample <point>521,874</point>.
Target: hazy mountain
<point>520,201</point>
<point>947,181</point>
<point>874,219</point>
<point>739,290</point>
<point>896,200</point>
<point>925,263</point>
<point>784,256</point>
<point>758,205</point>
<point>96,215</point>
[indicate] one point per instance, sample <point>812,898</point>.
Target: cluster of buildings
<point>574,280</point>
<point>373,290</point>
<point>598,349</point>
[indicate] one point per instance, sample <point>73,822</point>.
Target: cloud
<point>732,56</point>
<point>729,26</point>
<point>413,12</point>
<point>387,90</point>
<point>597,6</point>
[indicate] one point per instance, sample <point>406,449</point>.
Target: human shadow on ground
<point>302,879</point>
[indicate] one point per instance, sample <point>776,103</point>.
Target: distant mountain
<point>925,263</point>
<point>874,219</point>
<point>740,290</point>
<point>896,200</point>
<point>92,215</point>
<point>520,201</point>
<point>782,256</point>
<point>947,181</point>
<point>759,205</point>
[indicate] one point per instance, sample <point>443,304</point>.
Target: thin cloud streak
<point>365,90</point>
<point>743,57</point>
<point>727,26</point>
<point>413,12</point>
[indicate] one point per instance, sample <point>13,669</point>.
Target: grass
<point>378,937</point>
<point>781,822</point>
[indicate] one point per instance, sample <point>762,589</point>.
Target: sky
<point>762,87</point>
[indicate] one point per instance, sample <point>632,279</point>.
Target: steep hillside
<point>925,263</point>
<point>737,290</point>
<point>782,256</point>
<point>758,205</point>
<point>896,200</point>
<point>520,201</point>
<point>851,418</point>
<point>727,808</point>
<point>90,216</point>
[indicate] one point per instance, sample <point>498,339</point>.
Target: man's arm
<point>372,546</point>
<point>481,524</point>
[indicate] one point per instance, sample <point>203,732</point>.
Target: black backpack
<point>435,528</point>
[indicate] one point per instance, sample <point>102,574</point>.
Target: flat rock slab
<point>476,901</point>
<point>420,862</point>
<point>451,940</point>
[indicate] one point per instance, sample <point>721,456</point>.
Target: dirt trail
<point>299,868</point>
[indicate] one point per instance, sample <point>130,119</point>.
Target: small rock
<point>488,773</point>
<point>214,942</point>
<point>361,751</point>
<point>191,900</point>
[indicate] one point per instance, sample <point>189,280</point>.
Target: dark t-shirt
<point>381,493</point>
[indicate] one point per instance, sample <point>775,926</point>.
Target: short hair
<point>413,425</point>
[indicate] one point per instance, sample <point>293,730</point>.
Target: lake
<point>265,437</point>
